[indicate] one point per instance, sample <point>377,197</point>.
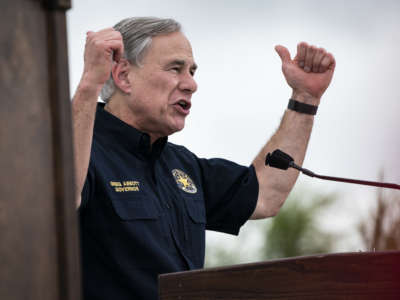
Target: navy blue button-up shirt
<point>145,209</point>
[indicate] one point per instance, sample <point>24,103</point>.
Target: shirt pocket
<point>135,207</point>
<point>139,229</point>
<point>195,229</point>
<point>195,210</point>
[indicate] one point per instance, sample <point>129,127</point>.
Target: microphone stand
<point>279,159</point>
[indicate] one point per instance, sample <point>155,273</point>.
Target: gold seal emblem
<point>184,182</point>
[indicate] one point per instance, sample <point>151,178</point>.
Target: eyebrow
<point>181,62</point>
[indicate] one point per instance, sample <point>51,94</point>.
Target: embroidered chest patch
<point>125,186</point>
<point>184,182</point>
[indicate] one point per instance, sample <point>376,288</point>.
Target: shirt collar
<point>116,133</point>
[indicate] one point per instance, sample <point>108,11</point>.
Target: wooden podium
<point>368,275</point>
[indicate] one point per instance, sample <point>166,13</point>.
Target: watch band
<point>302,107</point>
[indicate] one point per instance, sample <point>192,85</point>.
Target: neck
<point>117,109</point>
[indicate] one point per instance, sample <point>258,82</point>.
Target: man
<point>145,203</point>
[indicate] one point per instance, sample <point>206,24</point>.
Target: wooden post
<point>39,253</point>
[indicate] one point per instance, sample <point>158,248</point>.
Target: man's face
<point>163,86</point>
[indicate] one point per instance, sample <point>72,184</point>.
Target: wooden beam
<point>374,275</point>
<point>39,253</point>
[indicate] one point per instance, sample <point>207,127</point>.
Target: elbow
<point>274,212</point>
<point>263,212</point>
<point>271,204</point>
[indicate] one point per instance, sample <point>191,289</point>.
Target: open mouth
<point>185,105</point>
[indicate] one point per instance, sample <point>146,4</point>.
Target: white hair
<point>137,35</point>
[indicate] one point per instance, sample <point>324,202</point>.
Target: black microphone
<point>278,159</point>
<point>281,160</point>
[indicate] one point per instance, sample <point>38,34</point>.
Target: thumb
<point>283,53</point>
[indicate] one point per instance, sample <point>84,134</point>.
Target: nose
<point>188,84</point>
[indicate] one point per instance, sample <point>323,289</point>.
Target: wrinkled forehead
<point>171,46</point>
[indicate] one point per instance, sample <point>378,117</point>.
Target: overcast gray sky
<point>242,93</point>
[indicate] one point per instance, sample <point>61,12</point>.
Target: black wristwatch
<point>302,107</point>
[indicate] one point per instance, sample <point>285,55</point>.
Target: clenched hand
<point>309,73</point>
<point>101,49</point>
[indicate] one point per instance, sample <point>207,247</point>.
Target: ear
<point>120,72</point>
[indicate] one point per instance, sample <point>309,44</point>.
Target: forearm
<point>275,185</point>
<point>309,75</point>
<point>103,49</point>
<point>83,115</point>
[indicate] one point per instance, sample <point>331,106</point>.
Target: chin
<point>177,127</point>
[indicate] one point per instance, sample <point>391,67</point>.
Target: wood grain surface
<point>38,223</point>
<point>370,275</point>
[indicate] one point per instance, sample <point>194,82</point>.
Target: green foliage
<point>295,232</point>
